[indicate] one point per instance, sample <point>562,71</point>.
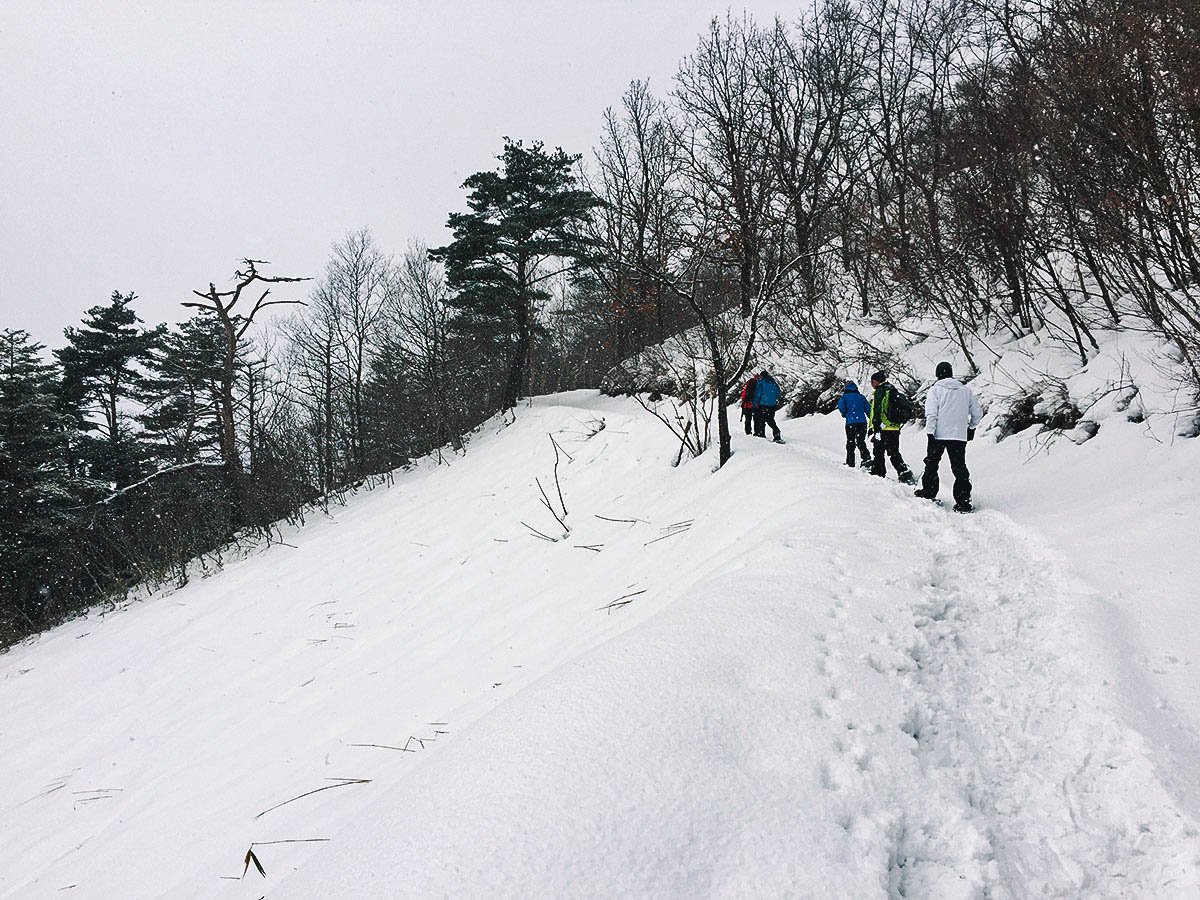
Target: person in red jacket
<point>748,390</point>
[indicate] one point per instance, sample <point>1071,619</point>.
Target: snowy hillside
<point>785,677</point>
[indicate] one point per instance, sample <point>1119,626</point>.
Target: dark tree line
<point>139,454</point>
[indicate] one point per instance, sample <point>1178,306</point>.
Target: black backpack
<point>899,408</point>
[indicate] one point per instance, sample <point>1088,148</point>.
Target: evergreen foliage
<point>525,226</point>
<point>37,492</point>
<point>101,378</point>
<point>179,392</point>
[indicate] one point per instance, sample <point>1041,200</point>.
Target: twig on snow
<point>621,601</point>
<point>536,533</point>
<point>341,782</point>
<point>669,533</point>
<point>561,519</point>
<point>557,448</point>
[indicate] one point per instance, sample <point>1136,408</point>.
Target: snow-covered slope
<point>1116,496</point>
<point>818,686</point>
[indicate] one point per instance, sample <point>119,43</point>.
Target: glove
<point>970,434</point>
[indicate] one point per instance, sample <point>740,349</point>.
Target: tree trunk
<point>518,367</point>
<point>514,389</point>
<point>229,448</point>
<point>724,441</point>
<point>327,424</point>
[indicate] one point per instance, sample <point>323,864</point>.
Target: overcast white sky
<point>149,147</point>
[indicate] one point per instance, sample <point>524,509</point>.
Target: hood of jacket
<point>850,388</point>
<point>949,384</point>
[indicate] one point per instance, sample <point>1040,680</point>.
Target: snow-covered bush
<point>1047,403</point>
<point>816,393</point>
<point>645,373</point>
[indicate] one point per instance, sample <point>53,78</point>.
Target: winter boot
<point>778,439</point>
<point>866,463</point>
<point>920,492</point>
<point>963,506</point>
<point>907,477</point>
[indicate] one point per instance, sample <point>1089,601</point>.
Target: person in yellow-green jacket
<point>885,428</point>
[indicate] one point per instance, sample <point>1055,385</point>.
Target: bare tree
<point>357,277</point>
<point>416,326</point>
<point>223,305</point>
<point>812,85</point>
<point>730,175</point>
<point>635,170</point>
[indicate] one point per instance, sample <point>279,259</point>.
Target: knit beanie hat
<point>879,376</point>
<point>944,370</point>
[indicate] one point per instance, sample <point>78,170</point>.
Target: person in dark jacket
<point>856,410</point>
<point>885,434</point>
<point>766,399</point>
<point>951,416</point>
<point>748,390</point>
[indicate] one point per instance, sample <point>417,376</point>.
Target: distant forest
<point>1019,166</point>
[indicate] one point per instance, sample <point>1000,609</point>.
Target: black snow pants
<point>957,451</point>
<point>764,416</point>
<point>856,437</point>
<point>748,415</point>
<point>889,445</point>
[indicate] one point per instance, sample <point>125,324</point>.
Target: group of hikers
<point>760,399</point>
<point>951,416</point>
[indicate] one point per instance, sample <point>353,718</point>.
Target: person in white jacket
<point>951,416</point>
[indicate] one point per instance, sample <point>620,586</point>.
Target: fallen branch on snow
<point>341,782</point>
<point>621,601</point>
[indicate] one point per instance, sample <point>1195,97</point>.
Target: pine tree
<point>181,392</point>
<point>100,379</point>
<point>525,226</point>
<point>37,493</point>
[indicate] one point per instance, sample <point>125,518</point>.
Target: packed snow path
<point>812,684</point>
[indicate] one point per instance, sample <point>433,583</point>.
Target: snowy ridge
<point>823,721</point>
<point>818,686</point>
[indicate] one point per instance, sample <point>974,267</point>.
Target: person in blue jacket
<point>856,410</point>
<point>766,399</point>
